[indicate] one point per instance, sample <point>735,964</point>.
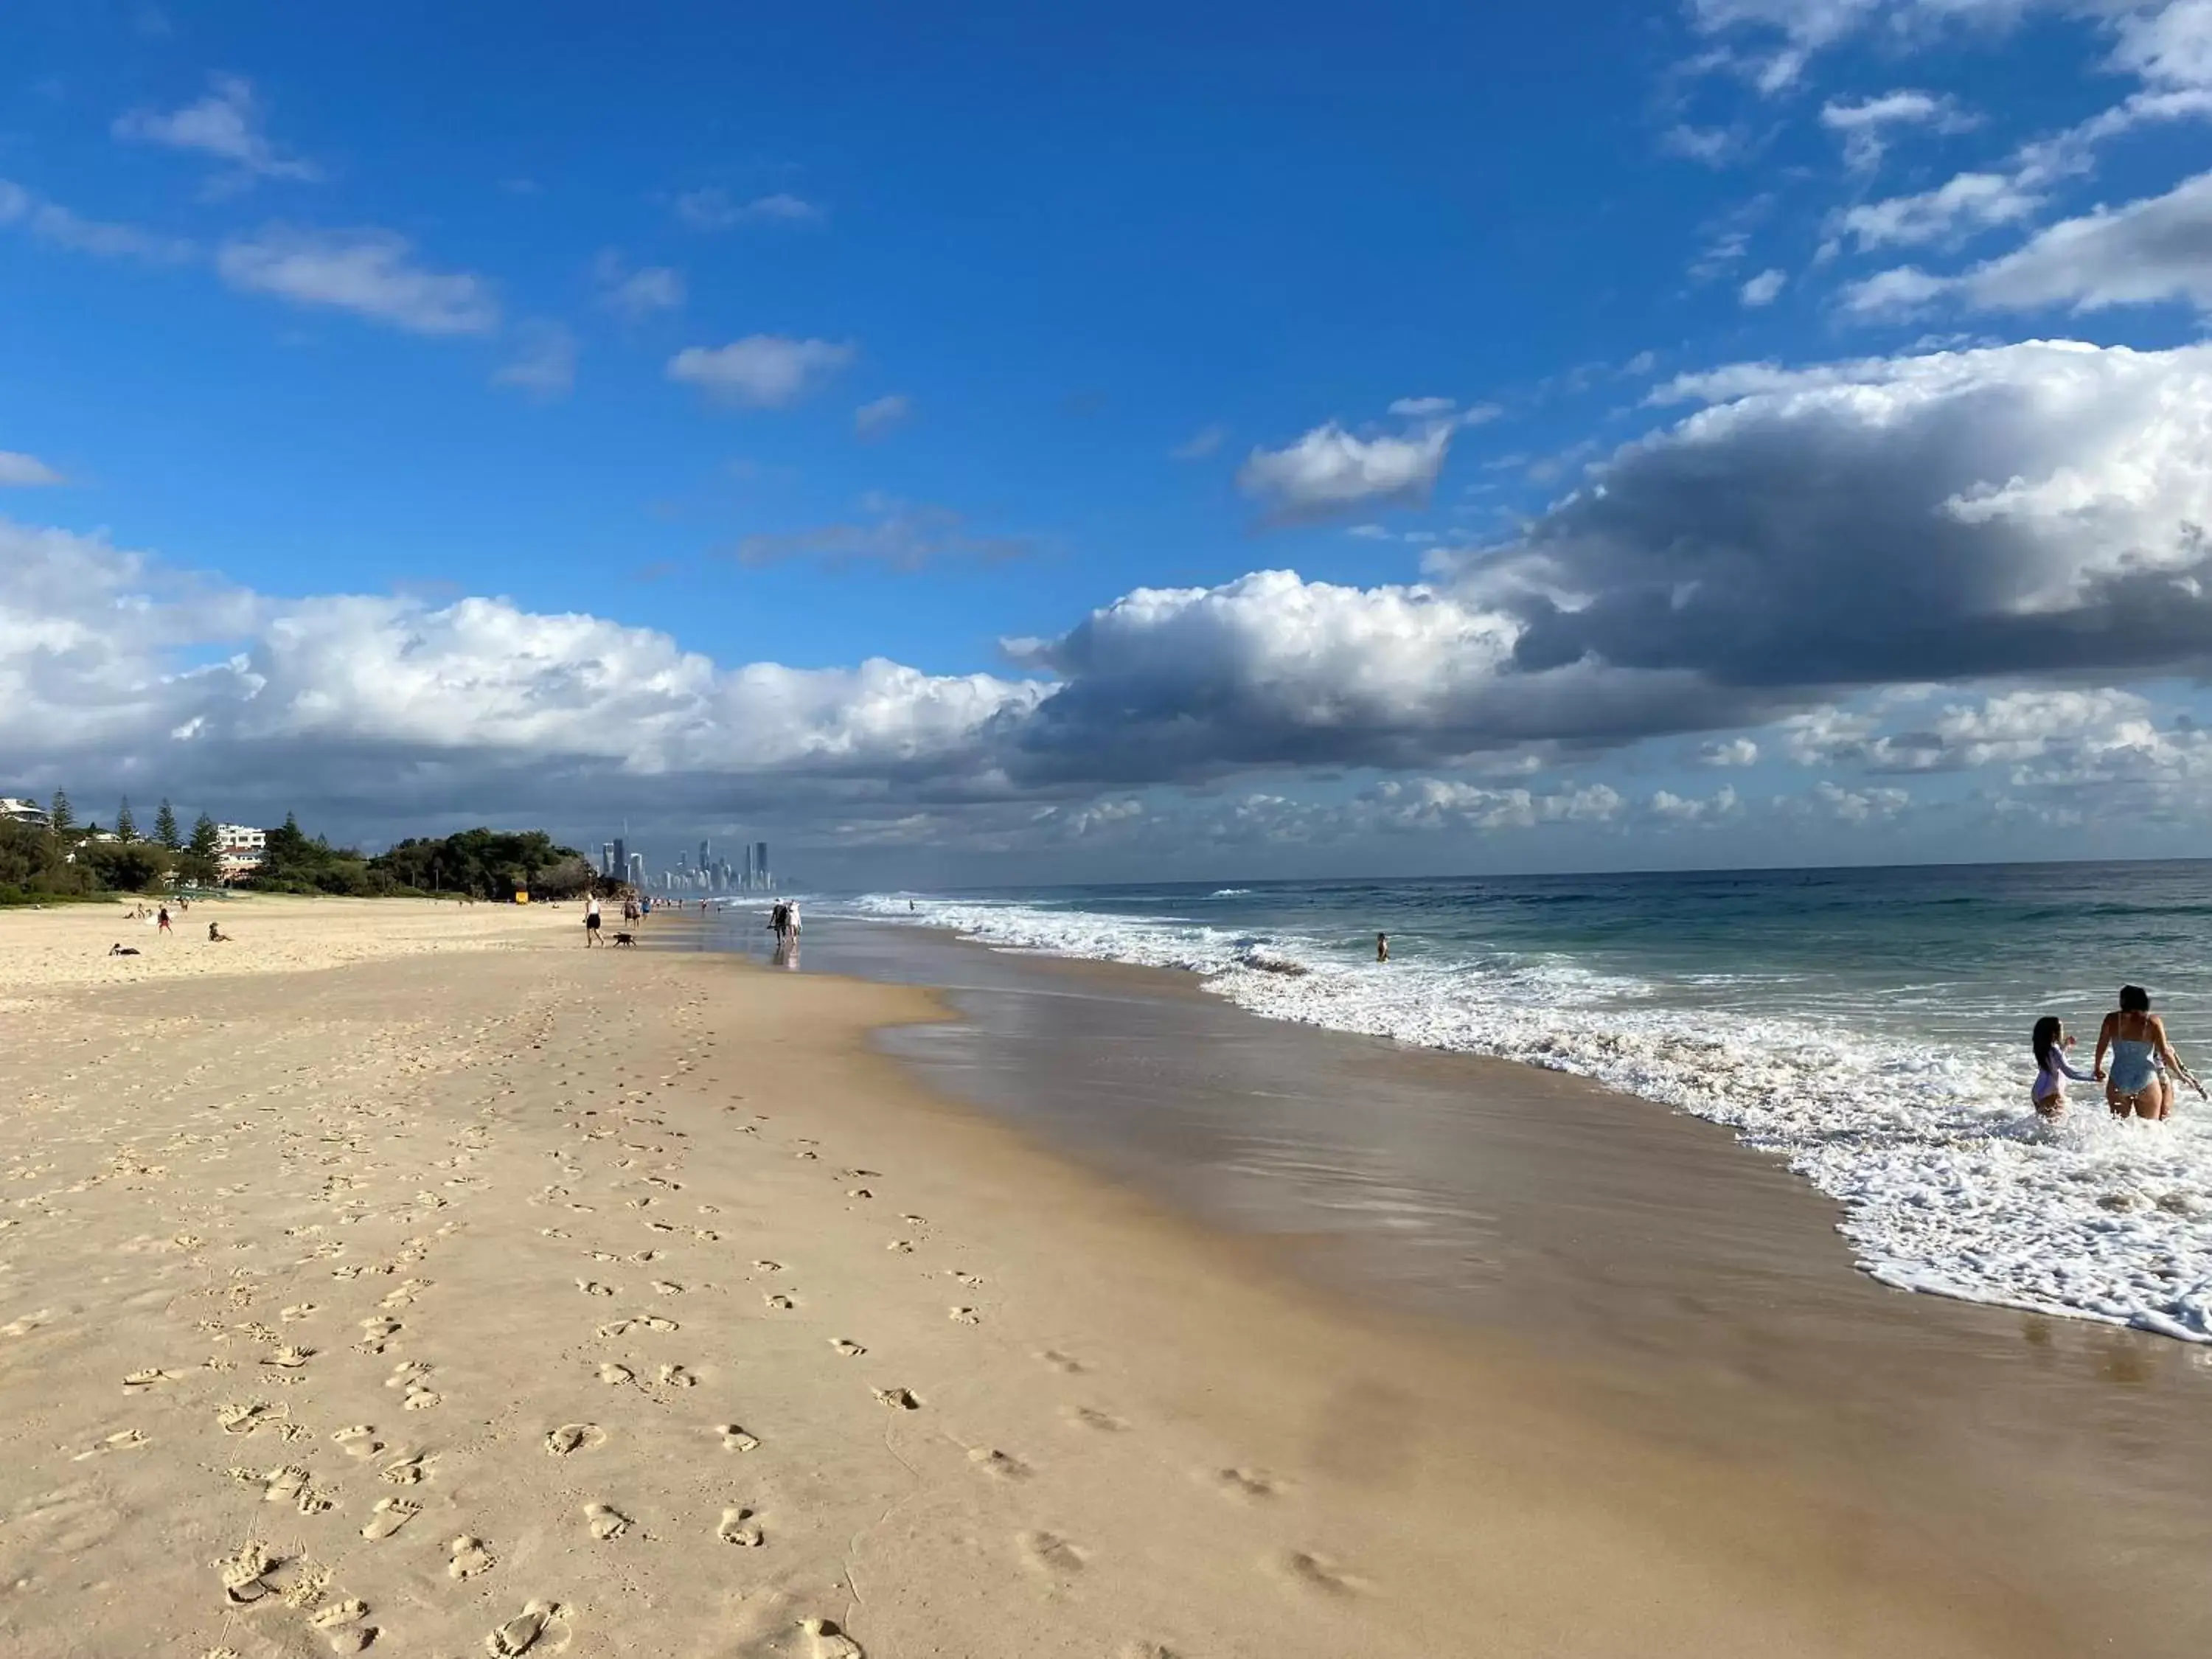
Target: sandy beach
<point>406,1277</point>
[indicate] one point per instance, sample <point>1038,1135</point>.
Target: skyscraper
<point>749,866</point>
<point>635,866</point>
<point>622,855</point>
<point>706,856</point>
<point>607,858</point>
<point>760,863</point>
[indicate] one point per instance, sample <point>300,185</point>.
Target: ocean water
<point>1870,1026</point>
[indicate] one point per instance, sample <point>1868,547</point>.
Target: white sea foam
<point>1949,1184</point>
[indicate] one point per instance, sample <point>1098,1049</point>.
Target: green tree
<point>128,866</point>
<point>126,827</point>
<point>201,862</point>
<point>64,817</point>
<point>165,827</point>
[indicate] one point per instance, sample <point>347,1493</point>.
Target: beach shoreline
<point>1129,1433</point>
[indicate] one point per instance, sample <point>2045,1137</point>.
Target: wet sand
<point>494,1295</point>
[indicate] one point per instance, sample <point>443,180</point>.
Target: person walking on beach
<point>779,919</point>
<point>2142,1057</point>
<point>164,922</point>
<point>1382,947</point>
<point>2050,1041</point>
<point>591,921</point>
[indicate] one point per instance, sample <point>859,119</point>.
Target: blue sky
<point>452,406</point>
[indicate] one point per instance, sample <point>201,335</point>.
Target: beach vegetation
<point>490,864</point>
<point>165,831</point>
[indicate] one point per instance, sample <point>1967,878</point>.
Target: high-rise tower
<point>760,863</point>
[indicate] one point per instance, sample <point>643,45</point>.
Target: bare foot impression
<point>1318,1573</point>
<point>1062,1361</point>
<point>1089,1418</point>
<point>898,1400</point>
<point>391,1515</point>
<point>359,1441</point>
<point>574,1436</point>
<point>469,1556</point>
<point>830,1641</point>
<point>612,1374</point>
<point>736,1439</point>
<point>1246,1483</point>
<point>675,1376</point>
<point>850,1350</point>
<point>538,1621</point>
<point>341,1627</point>
<point>738,1527</point>
<point>607,1523</point>
<point>1001,1464</point>
<point>1048,1553</point>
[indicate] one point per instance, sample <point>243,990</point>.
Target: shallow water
<point>1870,1026</point>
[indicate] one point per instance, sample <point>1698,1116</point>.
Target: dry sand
<point>409,1276</point>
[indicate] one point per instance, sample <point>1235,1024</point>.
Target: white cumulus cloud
<point>371,273</point>
<point>762,371</point>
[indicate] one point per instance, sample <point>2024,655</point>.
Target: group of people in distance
<point>161,919</point>
<point>2139,1082</point>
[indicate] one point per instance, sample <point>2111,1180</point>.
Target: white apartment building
<point>16,810</point>
<point>239,848</point>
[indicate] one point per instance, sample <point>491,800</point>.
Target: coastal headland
<point>403,1276</point>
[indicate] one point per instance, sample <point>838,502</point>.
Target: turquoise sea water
<point>1870,1025</point>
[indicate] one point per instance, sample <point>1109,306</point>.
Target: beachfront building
<point>29,813</point>
<point>239,850</point>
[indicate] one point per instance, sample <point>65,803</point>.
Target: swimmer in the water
<point>2050,1044</point>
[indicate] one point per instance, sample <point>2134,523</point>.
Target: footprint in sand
<point>898,1400</point>
<point>850,1350</point>
<point>830,1641</point>
<point>1048,1553</point>
<point>287,1485</point>
<point>675,1376</point>
<point>245,1574</point>
<point>593,1287</point>
<point>735,1439</point>
<point>667,1287</point>
<point>407,1471</point>
<point>900,1247</point>
<point>1062,1361</point>
<point>613,1375</point>
<point>149,1377</point>
<point>391,1515</point>
<point>375,1333</point>
<point>607,1524</point>
<point>964,1317</point>
<point>738,1527</point>
<point>1318,1573</point>
<point>289,1358</point>
<point>860,1192</point>
<point>538,1621</point>
<point>468,1556</point>
<point>121,1440</point>
<point>359,1441</point>
<point>765,1267</point>
<point>1246,1483</point>
<point>342,1628</point>
<point>782,1303</point>
<point>297,1310</point>
<point>1090,1418</point>
<point>574,1436</point>
<point>244,1416</point>
<point>1001,1464</point>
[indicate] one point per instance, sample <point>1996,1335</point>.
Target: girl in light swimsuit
<point>2050,1044</point>
<point>2141,1057</point>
